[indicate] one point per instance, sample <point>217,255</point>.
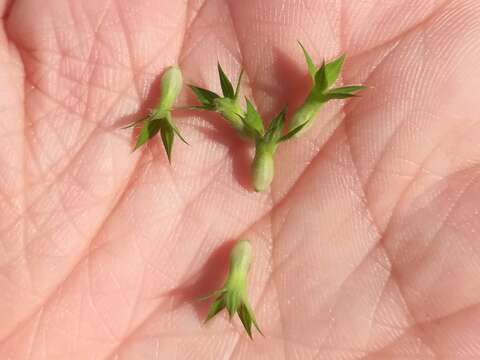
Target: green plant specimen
<point>160,118</point>
<point>323,79</point>
<point>233,295</point>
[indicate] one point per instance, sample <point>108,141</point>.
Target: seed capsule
<point>305,115</point>
<point>262,167</point>
<point>171,85</point>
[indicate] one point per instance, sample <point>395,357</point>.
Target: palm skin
<point>365,245</point>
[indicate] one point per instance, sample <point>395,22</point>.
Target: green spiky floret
<point>160,118</point>
<point>323,78</point>
<point>227,105</point>
<point>233,295</point>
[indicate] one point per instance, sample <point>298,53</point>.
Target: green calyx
<point>233,295</point>
<point>266,143</point>
<point>323,79</point>
<point>227,105</point>
<point>160,119</point>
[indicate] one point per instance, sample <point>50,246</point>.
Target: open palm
<point>366,245</point>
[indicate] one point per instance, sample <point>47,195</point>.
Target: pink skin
<point>366,246</point>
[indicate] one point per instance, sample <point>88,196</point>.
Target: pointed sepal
<point>227,88</point>
<point>239,81</point>
<point>206,97</point>
<point>167,135</point>
<point>149,130</point>
<point>312,69</point>
<point>217,306</point>
<point>247,318</point>
<point>344,92</point>
<point>292,133</point>
<point>253,122</point>
<point>275,129</point>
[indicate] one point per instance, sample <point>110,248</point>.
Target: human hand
<point>365,245</point>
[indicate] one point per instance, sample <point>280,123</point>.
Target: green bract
<point>323,78</point>
<point>160,118</point>
<point>227,105</point>
<point>233,295</point>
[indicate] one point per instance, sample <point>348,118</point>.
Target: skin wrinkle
<point>331,323</point>
<point>92,303</point>
<point>89,60</point>
<point>451,208</point>
<point>436,322</point>
<point>36,330</point>
<point>409,185</point>
<point>25,214</point>
<point>381,295</point>
<point>376,164</point>
<point>450,211</point>
<point>34,87</point>
<point>116,282</point>
<point>130,47</point>
<point>312,20</point>
<point>362,262</point>
<point>401,35</point>
<point>419,327</point>
<point>394,276</point>
<point>62,173</point>
<point>312,162</point>
<point>187,26</point>
<point>52,294</point>
<point>49,297</point>
<point>355,211</point>
<point>397,39</point>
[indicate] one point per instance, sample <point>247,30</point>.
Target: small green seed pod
<point>171,85</point>
<point>305,115</point>
<point>262,167</point>
<point>241,257</point>
<point>231,111</point>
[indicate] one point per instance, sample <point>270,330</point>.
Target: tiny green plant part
<point>160,118</point>
<point>321,92</point>
<point>228,105</point>
<point>233,295</point>
<point>266,144</point>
